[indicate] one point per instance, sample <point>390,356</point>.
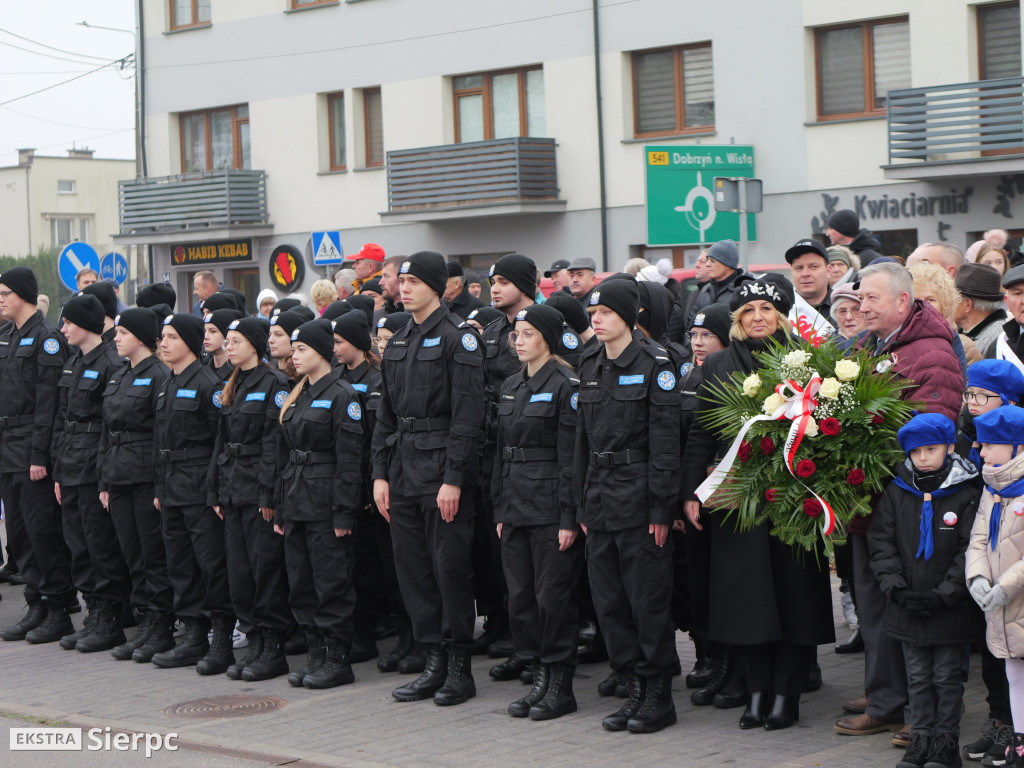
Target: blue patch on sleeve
<point>218,398</point>
<point>30,341</point>
<point>50,346</point>
<point>569,340</point>
<point>321,404</point>
<point>541,397</point>
<point>354,411</point>
<point>432,342</point>
<point>142,382</point>
<point>574,401</point>
<point>189,393</point>
<point>90,374</point>
<point>667,380</point>
<point>627,380</point>
<point>255,396</point>
<point>279,398</point>
<point>469,342</point>
<point>359,387</point>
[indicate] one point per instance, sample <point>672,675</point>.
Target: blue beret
<point>1003,426</point>
<point>999,376</point>
<point>927,429</point>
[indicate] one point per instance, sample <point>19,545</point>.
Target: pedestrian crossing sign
<point>327,248</point>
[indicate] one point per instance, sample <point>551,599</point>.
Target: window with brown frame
<point>999,47</point>
<point>373,127</point>
<point>190,13</point>
<point>858,64</point>
<point>300,4</point>
<point>215,139</point>
<point>499,105</point>
<point>336,129</point>
<point>673,91</point>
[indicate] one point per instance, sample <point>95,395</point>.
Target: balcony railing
<point>192,201</point>
<point>477,173</point>
<point>957,122</point>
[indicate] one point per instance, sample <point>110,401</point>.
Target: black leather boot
<point>435,670</point>
<point>511,668</point>
<point>813,678</point>
<point>753,715</point>
<point>271,662</point>
<point>415,661</point>
<point>364,647</point>
<point>658,711</point>
<point>558,698</point>
<point>70,640</point>
<point>785,711</point>
<point>192,646</point>
<point>336,669</point>
<point>608,686</point>
<point>54,627</point>
<point>705,697</point>
<point>390,662</point>
<point>734,694</point>
<point>704,667</point>
<point>315,654</point>
<point>124,651</point>
<point>459,686</point>
<point>33,618</point>
<point>161,638</point>
<point>635,694</point>
<point>252,652</point>
<point>107,633</point>
<point>222,653</point>
<point>521,707</point>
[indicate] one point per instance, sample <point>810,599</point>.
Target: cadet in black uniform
<point>282,326</point>
<point>157,295</point>
<point>626,479</point>
<point>215,330</point>
<point>104,291</point>
<point>388,326</point>
<point>579,323</point>
<point>184,435</point>
<point>320,489</point>
<point>425,449</point>
<point>481,318</point>
<point>126,475</point>
<point>536,514</point>
<point>32,355</point>
<point>97,568</point>
<point>241,491</point>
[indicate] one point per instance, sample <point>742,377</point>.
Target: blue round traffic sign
<point>73,259</point>
<point>114,265</point>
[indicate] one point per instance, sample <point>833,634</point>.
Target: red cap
<point>370,251</point>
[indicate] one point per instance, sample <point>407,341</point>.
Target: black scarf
<point>743,350</point>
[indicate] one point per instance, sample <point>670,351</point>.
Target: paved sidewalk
<point>361,726</point>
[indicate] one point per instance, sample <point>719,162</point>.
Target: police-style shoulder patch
<point>354,411</point>
<point>255,396</point>
<point>359,388</point>
<point>142,382</point>
<point>541,397</point>
<point>569,340</point>
<point>574,401</point>
<point>625,381</point>
<point>28,342</point>
<point>434,342</point>
<point>667,380</point>
<point>279,398</point>
<point>469,342</point>
<point>320,404</point>
<point>685,368</point>
<point>189,394</point>
<point>218,398</point>
<point>90,374</point>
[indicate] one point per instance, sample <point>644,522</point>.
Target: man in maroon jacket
<point>911,339</point>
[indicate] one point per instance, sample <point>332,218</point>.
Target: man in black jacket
<point>460,301</point>
<point>725,276</point>
<point>844,228</point>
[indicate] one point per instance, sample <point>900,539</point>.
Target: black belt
<point>16,421</point>
<point>241,449</point>
<point>82,427</point>
<point>512,453</point>
<point>423,425</point>
<point>311,457</point>
<point>125,437</point>
<point>617,458</point>
<point>169,457</point>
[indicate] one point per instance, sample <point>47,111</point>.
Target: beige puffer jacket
<point>1005,564</point>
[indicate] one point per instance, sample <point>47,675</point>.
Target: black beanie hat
<point>519,269</point>
<point>105,293</point>
<point>547,320</point>
<point>318,335</point>
<point>85,311</point>
<point>238,296</point>
<point>620,296</point>
<point>283,305</point>
<point>354,329</point>
<point>255,332</point>
<point>762,289</point>
<point>428,266</point>
<point>455,269</point>
<point>845,222</point>
<point>190,328</point>
<point>161,311</point>
<point>371,286</point>
<point>288,321</point>
<point>487,315</point>
<point>142,323</point>
<point>222,318</point>
<point>395,322</point>
<point>157,293</point>
<point>336,309</point>
<point>22,281</point>
<point>365,304</point>
<point>574,314</point>
<point>220,300</point>
<point>716,319</point>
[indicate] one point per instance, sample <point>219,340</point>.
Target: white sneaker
<point>849,612</point>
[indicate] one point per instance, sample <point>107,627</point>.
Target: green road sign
<point>680,201</point>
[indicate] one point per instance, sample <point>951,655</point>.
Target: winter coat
<point>893,541</point>
<point>715,292</point>
<point>1005,564</point>
<point>866,245</point>
<point>986,333</point>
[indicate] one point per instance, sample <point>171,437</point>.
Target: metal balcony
<point>481,178</point>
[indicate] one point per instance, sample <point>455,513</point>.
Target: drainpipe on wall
<point>600,139</point>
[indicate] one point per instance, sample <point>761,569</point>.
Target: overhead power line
<point>47,55</point>
<point>61,122</point>
<point>63,82</point>
<point>50,47</point>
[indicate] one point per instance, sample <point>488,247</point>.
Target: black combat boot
<point>916,753</point>
<point>315,654</point>
<point>272,661</point>
<point>390,662</point>
<point>511,668</point>
<point>70,640</point>
<point>336,669</point>
<point>658,711</point>
<point>124,651</point>
<point>459,686</point>
<point>33,617</point>
<point>945,753</point>
<point>558,698</point>
<point>222,653</point>
<point>521,707</point>
<point>734,694</point>
<point>364,646</point>
<point>705,697</point>
<point>252,652</point>
<point>426,685</point>
<point>107,633</point>
<point>635,694</point>
<point>611,684</point>
<point>704,667</point>
<point>160,638</point>
<point>415,661</point>
<point>54,627</point>
<point>785,711</point>
<point>192,646</point>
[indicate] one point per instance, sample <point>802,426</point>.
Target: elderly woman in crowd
<point>934,285</point>
<point>322,294</point>
<point>847,316</point>
<point>842,266</point>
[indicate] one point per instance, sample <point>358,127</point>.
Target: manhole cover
<point>224,706</point>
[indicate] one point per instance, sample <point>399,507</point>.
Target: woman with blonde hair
<point>934,284</point>
<point>983,252</point>
<point>322,294</point>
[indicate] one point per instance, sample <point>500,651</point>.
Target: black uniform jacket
<point>320,451</point>
<point>129,413</point>
<point>630,404</point>
<point>79,422</point>
<point>432,407</point>
<point>532,479</point>
<point>365,380</point>
<point>31,360</point>
<point>500,362</point>
<point>244,468</point>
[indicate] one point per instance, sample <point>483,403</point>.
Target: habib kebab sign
<point>680,201</point>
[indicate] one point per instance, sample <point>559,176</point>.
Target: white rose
<point>830,388</point>
<point>751,385</point>
<point>772,403</point>
<point>812,428</point>
<point>847,370</point>
<point>796,359</point>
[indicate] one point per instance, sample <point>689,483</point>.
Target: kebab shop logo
<point>287,268</point>
<point>91,740</point>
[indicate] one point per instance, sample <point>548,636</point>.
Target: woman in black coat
<point>771,605</point>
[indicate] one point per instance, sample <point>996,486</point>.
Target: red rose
<point>856,477</point>
<point>830,426</point>
<point>767,446</point>
<point>812,507</point>
<point>805,468</point>
<point>876,418</point>
<point>744,451</point>
<point>770,494</point>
